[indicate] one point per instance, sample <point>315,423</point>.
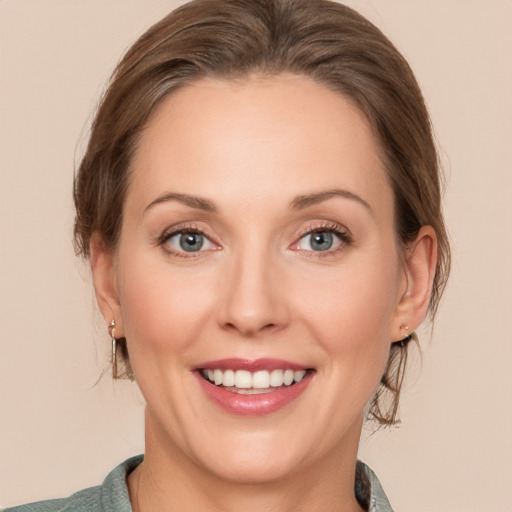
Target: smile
<point>246,382</point>
<point>253,388</point>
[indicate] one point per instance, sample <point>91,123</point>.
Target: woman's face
<point>257,237</point>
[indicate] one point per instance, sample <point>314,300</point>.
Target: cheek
<point>350,313</point>
<point>162,308</point>
<point>353,299</point>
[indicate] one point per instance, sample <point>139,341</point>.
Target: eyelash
<point>342,234</point>
<point>180,230</point>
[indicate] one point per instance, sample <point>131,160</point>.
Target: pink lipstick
<point>253,387</point>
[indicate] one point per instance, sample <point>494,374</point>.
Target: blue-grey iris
<point>321,241</point>
<point>191,242</point>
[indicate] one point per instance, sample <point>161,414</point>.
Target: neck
<point>169,481</point>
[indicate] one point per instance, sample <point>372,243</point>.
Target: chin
<point>250,469</point>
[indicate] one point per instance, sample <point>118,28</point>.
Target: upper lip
<point>251,365</point>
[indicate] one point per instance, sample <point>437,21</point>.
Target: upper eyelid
<point>325,226</point>
<point>183,228</point>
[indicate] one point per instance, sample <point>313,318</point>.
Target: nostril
<point>248,330</point>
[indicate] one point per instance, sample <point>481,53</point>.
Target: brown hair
<point>230,39</point>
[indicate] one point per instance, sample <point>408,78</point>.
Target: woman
<point>260,205</point>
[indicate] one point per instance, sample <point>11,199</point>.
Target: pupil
<point>321,241</point>
<point>191,242</point>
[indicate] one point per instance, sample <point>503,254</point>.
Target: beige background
<point>59,432</point>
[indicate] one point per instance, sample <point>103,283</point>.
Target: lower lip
<point>253,405</point>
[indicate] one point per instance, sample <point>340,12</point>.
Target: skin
<point>258,289</point>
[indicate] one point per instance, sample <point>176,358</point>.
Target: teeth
<point>277,378</point>
<point>245,380</point>
<point>298,376</point>
<point>217,377</point>
<point>228,378</point>
<point>260,380</point>
<point>289,377</point>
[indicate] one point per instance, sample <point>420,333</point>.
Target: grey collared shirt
<point>112,495</point>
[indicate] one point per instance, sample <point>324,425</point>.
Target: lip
<point>257,404</point>
<point>251,365</point>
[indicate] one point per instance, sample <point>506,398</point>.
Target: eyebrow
<point>198,203</point>
<point>300,202</point>
<point>307,200</point>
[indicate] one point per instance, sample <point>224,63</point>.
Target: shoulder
<point>369,490</point>
<point>112,495</point>
<point>87,499</point>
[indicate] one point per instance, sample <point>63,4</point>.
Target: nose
<point>253,295</point>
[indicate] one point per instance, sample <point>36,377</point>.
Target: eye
<point>189,242</point>
<point>319,241</point>
<point>322,240</point>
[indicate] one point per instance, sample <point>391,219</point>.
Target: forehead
<point>260,135</point>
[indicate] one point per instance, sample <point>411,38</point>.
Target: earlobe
<point>105,286</point>
<point>419,266</point>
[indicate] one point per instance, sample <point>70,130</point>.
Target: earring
<point>408,337</point>
<point>112,332</point>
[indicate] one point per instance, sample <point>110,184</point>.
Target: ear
<point>420,259</point>
<point>103,267</point>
